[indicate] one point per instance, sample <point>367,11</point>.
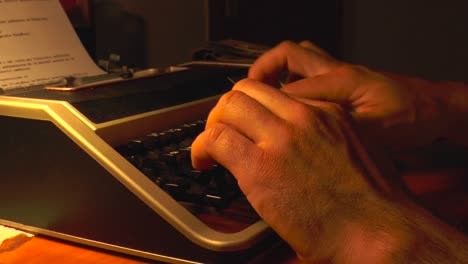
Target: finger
<point>291,57</point>
<point>331,108</point>
<point>325,87</point>
<point>272,99</point>
<point>312,47</point>
<point>331,115</point>
<point>309,45</point>
<point>245,114</point>
<point>225,145</point>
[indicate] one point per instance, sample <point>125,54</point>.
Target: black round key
<point>151,141</point>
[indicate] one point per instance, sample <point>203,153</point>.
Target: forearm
<point>404,236</point>
<point>456,103</point>
<point>441,108</point>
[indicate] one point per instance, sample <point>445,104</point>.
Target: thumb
<point>311,46</point>
<point>293,58</point>
<point>326,87</point>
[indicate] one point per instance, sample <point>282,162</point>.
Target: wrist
<point>455,99</point>
<point>366,246</point>
<point>382,234</point>
<point>402,233</point>
<point>441,109</point>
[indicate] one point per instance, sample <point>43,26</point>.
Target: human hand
<point>392,110</point>
<point>303,169</point>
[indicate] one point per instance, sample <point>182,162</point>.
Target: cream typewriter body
<point>80,166</point>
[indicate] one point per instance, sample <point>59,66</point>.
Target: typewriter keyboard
<point>165,158</point>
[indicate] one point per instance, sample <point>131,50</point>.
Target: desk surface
<point>41,250</point>
<point>441,187</point>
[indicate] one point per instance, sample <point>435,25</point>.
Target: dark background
<point>423,38</point>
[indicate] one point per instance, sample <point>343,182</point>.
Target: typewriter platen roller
<point>63,174</point>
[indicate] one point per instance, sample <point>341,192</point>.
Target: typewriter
<point>110,167</point>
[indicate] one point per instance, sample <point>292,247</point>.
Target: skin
<point>403,111</point>
<point>301,164</point>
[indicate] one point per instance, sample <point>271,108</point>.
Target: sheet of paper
<point>38,45</point>
<point>11,238</point>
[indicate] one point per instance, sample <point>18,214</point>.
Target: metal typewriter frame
<point>97,140</point>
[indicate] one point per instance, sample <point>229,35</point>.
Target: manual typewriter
<point>109,166</point>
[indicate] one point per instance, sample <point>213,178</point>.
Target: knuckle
<point>216,133</point>
<point>309,118</point>
<point>286,136</point>
<point>304,112</point>
<point>360,68</point>
<point>335,109</point>
<point>231,98</point>
<point>287,45</point>
<point>352,71</point>
<point>243,85</point>
<point>306,43</point>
